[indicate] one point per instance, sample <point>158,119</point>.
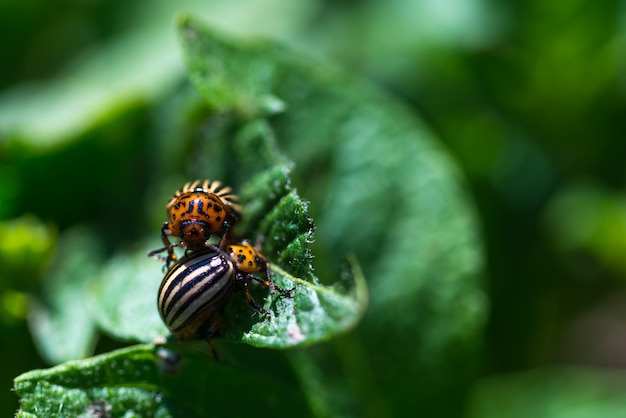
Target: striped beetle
<point>196,290</point>
<point>198,210</point>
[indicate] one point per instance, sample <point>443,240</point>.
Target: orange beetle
<point>197,211</point>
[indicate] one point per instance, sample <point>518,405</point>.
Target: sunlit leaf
<point>25,249</point>
<point>376,185</point>
<point>146,381</point>
<point>124,296</point>
<point>385,190</point>
<point>59,317</point>
<point>135,67</point>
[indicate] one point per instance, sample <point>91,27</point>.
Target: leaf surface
<point>382,188</point>
<point>124,295</point>
<point>557,392</point>
<point>59,318</point>
<point>142,381</point>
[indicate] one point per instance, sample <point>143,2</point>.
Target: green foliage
<point>142,381</point>
<point>585,217</point>
<point>383,176</point>
<point>341,182</point>
<point>123,295</point>
<point>61,321</point>
<point>553,392</point>
<point>26,248</point>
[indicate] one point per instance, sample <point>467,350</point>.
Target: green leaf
<point>276,217</point>
<point>385,190</point>
<point>280,220</point>
<point>379,188</point>
<point>124,296</point>
<point>564,392</point>
<point>59,318</point>
<point>25,249</point>
<point>589,218</point>
<point>144,380</point>
<point>87,94</point>
<point>137,66</point>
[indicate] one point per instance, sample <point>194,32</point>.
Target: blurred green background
<point>528,96</point>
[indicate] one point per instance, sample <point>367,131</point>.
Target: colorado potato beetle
<point>249,259</point>
<point>197,211</point>
<point>196,290</point>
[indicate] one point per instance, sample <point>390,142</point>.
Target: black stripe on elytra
<point>203,260</point>
<point>199,286</point>
<point>184,309</point>
<point>224,295</point>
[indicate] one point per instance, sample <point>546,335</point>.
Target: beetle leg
<point>243,280</point>
<point>268,273</point>
<point>230,220</point>
<point>169,247</point>
<point>267,283</point>
<point>168,260</point>
<point>155,254</point>
<point>211,332</point>
<point>165,231</point>
<point>224,238</point>
<point>270,284</point>
<point>284,292</point>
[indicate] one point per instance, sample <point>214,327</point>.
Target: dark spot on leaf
<point>100,409</point>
